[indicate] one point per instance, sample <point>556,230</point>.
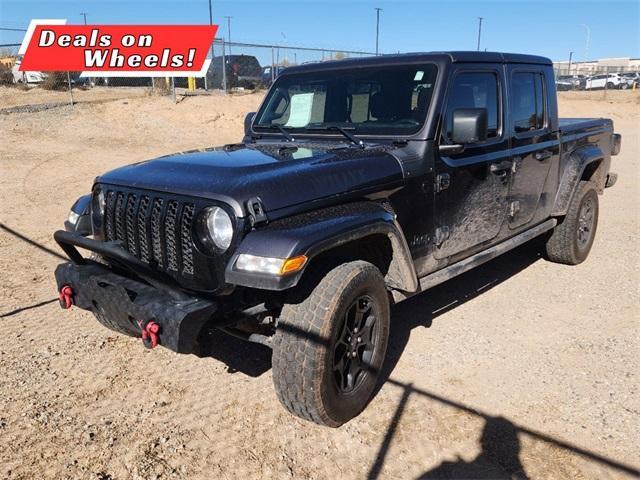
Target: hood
<point>281,175</point>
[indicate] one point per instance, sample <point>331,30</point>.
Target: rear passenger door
<point>534,144</point>
<point>472,186</point>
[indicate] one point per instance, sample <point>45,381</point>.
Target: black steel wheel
<point>330,345</point>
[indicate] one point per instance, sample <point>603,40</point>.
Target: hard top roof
<point>404,58</point>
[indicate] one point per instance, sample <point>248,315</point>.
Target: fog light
<point>271,266</point>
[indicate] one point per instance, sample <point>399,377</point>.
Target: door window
<point>475,90</point>
<point>527,102</point>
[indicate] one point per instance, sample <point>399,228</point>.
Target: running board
<point>441,276</point>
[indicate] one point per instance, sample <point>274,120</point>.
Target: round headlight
<point>220,227</point>
<point>99,202</point>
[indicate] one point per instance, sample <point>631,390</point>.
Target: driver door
<point>472,186</point>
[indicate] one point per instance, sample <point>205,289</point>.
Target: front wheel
<point>329,348</point>
<point>571,240</point>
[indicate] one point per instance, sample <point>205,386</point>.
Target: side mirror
<point>470,125</point>
<point>248,120</point>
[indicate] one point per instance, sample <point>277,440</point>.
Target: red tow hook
<point>150,331</point>
<point>66,297</point>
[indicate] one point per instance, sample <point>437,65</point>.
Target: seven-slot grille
<point>155,229</point>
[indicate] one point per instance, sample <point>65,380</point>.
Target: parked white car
<point>610,81</point>
<point>26,77</point>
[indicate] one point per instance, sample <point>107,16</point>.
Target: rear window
<point>527,101</point>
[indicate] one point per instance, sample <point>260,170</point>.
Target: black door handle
<point>542,155</point>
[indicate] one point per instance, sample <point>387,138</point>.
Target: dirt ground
<point>519,365</point>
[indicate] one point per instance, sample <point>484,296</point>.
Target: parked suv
<point>570,82</point>
<point>241,70</point>
<point>359,183</point>
<point>609,81</point>
<point>631,78</point>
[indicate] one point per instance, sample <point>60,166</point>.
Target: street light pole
<point>570,57</point>
<point>586,48</point>
<point>377,28</point>
<point>229,31</point>
<point>85,17</point>
<point>479,30</point>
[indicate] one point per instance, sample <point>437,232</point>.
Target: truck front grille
<point>155,229</point>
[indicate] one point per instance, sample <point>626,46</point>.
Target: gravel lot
<point>521,365</point>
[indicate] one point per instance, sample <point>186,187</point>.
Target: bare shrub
<point>6,77</point>
<point>55,81</point>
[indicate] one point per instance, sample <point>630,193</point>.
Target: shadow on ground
<point>499,440</point>
<point>418,311</point>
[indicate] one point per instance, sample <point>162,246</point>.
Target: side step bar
<point>458,268</point>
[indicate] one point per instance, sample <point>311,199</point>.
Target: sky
<point>590,28</point>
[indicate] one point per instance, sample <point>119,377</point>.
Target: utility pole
<point>229,31</point>
<point>479,30</point>
<point>377,27</point>
<point>85,17</point>
<point>206,83</point>
<point>570,57</point>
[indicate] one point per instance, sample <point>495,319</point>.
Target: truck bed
<point>585,124</point>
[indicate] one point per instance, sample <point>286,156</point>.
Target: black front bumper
<point>127,302</point>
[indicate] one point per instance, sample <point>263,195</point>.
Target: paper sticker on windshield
<point>419,75</point>
<point>300,111</point>
<point>302,153</point>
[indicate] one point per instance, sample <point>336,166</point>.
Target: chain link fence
<point>596,76</point>
<point>235,67</point>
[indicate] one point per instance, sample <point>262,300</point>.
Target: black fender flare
<point>318,231</point>
<point>576,163</point>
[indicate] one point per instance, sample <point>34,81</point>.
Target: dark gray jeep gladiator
<point>358,184</point>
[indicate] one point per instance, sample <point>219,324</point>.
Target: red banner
<point>176,50</point>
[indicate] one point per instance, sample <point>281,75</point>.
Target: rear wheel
<point>328,350</point>
<point>572,240</point>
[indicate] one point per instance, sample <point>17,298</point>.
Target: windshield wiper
<point>285,133</point>
<point>352,138</point>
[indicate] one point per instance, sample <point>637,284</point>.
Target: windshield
<point>375,101</point>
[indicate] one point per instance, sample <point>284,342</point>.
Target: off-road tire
<point>564,245</point>
<point>309,335</point>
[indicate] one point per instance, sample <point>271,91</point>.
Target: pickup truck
<point>358,183</point>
